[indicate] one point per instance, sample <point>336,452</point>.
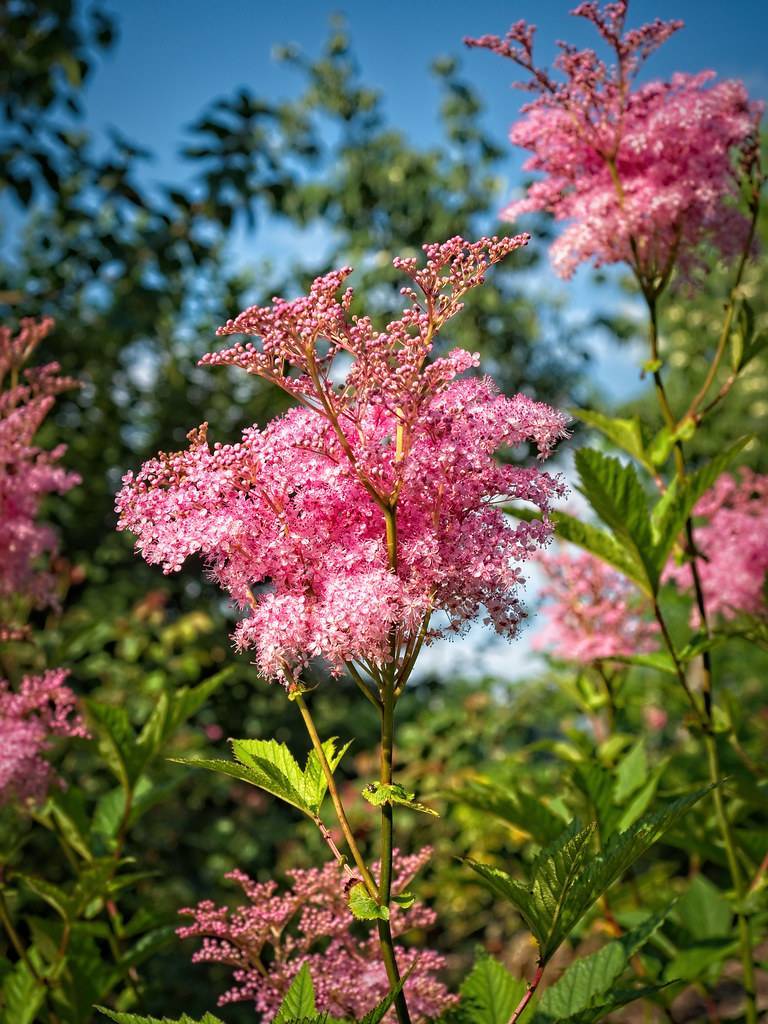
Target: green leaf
<point>616,494</point>
<point>631,772</point>
<point>404,900</point>
<point>377,794</point>
<point>271,766</point>
<point>513,806</point>
<point>117,740</point>
<point>585,980</point>
<point>172,710</point>
<point>658,660</point>
<point>53,895</point>
<point>703,911</point>
<point>569,877</point>
<point>299,1000</point>
<point>591,538</point>
<point>364,906</point>
<point>136,1018</point>
<point>597,1013</point>
<point>490,992</point>
<point>22,995</point>
<point>678,501</point>
<point>627,434</point>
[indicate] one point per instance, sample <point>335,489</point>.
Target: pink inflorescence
<point>291,520</point>
<point>27,472</point>
<point>592,612</point>
<point>42,708</point>
<point>269,939</point>
<point>644,174</point>
<point>732,541</point>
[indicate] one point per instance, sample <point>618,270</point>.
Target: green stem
<point>18,945</point>
<point>385,881</point>
<point>704,715</point>
<point>737,878</point>
<point>338,807</point>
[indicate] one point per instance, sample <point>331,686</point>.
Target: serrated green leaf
<point>627,434</point>
<point>514,806</point>
<point>137,1018</point>
<point>677,503</point>
<point>271,766</point>
<point>377,794</point>
<point>590,538</point>
<point>22,995</point>
<point>614,491</point>
<point>597,1013</point>
<point>490,993</point>
<point>584,981</point>
<point>587,981</point>
<point>364,906</point>
<point>299,1000</point>
<point>569,877</point>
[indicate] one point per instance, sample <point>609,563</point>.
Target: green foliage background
<point>137,276</point>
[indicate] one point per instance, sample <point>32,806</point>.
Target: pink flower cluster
<point>292,520</point>
<point>645,174</point>
<point>42,708</point>
<point>592,612</point>
<point>27,473</point>
<point>269,939</point>
<point>733,544</point>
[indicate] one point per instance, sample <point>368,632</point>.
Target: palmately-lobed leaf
<point>271,766</point>
<point>489,993</point>
<point>569,877</point>
<point>364,906</point>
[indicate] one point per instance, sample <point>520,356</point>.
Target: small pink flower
<point>732,541</point>
<point>41,709</point>
<point>267,940</point>
<point>591,611</point>
<point>643,174</point>
<point>28,473</point>
<point>655,718</point>
<point>290,520</point>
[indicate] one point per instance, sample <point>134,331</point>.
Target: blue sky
<point>176,55</point>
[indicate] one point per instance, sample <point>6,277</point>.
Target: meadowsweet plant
<point>660,176</point>
<point>71,942</point>
<point>361,525</point>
